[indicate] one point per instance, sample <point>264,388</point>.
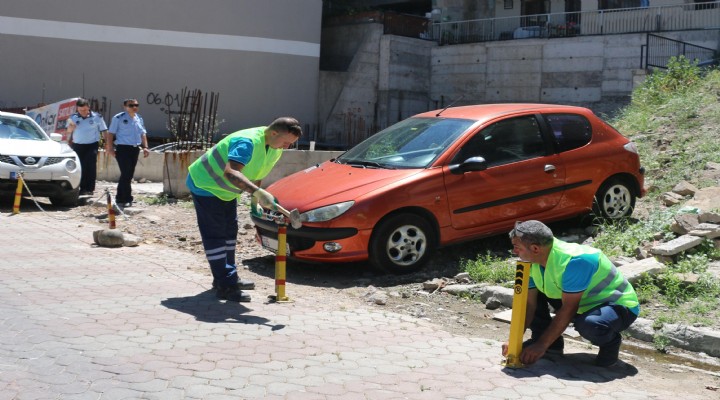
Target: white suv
<point>49,168</point>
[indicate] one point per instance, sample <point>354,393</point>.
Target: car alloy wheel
<point>614,200</point>
<point>402,243</point>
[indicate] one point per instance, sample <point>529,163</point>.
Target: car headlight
<point>326,213</point>
<point>70,165</point>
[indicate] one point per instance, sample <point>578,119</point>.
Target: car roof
<point>485,112</point>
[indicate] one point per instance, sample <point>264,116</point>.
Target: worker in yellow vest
<point>216,180</point>
<point>583,287</point>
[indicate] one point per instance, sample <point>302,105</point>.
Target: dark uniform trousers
<point>87,152</point>
<point>127,157</point>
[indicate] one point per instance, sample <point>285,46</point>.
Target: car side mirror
<point>471,164</point>
<point>56,136</point>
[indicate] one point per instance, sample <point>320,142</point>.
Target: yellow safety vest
<point>207,171</point>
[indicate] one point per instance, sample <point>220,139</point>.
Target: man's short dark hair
<point>82,102</point>
<point>126,101</point>
<point>286,124</point>
<point>532,232</point>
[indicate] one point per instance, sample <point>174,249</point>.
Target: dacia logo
<point>30,161</point>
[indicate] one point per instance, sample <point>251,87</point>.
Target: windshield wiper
<point>366,164</point>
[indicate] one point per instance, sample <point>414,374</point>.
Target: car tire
<point>614,200</point>
<point>67,199</point>
<point>402,243</point>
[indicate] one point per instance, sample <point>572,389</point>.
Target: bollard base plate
<point>512,362</point>
<point>275,299</point>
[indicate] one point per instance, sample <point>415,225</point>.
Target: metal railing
<point>582,23</point>
<point>658,51</point>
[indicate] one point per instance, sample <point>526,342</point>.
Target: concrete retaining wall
<point>171,168</point>
<point>402,76</point>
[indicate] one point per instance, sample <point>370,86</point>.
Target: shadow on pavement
<point>574,367</point>
<point>206,307</point>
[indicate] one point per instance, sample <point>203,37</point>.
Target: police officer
<point>127,132</point>
<point>85,128</point>
<point>217,179</point>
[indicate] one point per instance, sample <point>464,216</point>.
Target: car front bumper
<point>308,243</point>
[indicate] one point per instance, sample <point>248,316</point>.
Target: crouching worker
<point>217,179</point>
<point>583,287</point>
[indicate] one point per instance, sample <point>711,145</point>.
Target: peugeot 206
<point>452,175</point>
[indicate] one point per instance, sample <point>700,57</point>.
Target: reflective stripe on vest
<point>219,180</point>
<point>607,285</point>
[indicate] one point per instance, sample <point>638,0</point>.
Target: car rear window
<point>571,131</point>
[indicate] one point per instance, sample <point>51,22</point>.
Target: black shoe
<point>232,294</point>
<point>556,347</point>
<point>608,354</point>
<point>242,284</point>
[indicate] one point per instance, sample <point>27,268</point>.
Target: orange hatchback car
<point>453,175</point>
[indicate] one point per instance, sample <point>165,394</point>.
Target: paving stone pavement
<point>83,322</point>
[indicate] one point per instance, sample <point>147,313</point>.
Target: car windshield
<point>412,143</point>
<point>13,128</point>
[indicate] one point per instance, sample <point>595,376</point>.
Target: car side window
<point>504,142</point>
<point>571,131</point>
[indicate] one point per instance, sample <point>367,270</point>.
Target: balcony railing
<point>582,23</point>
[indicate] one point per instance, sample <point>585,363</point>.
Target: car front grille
<point>54,160</point>
<point>6,159</point>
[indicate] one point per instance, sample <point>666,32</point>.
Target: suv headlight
<point>70,165</point>
<point>326,213</point>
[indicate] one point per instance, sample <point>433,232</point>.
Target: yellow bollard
<point>517,321</point>
<point>280,261</point>
<point>111,210</point>
<point>18,192</point>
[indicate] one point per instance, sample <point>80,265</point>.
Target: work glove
<point>264,198</point>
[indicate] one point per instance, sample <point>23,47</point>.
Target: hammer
<point>293,216</point>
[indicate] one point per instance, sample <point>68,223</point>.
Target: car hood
<point>331,183</point>
<point>35,148</point>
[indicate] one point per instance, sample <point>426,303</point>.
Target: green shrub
<point>490,268</point>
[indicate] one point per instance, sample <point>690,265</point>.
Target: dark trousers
<point>127,157</point>
<point>217,220</point>
<point>601,325</point>
<point>88,163</point>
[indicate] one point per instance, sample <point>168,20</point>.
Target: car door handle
<point>549,168</point>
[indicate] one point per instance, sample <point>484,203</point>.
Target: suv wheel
<point>67,199</point>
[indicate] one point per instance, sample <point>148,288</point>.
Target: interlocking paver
<point>84,322</point>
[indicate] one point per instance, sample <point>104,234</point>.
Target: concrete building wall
<point>350,112</point>
<point>261,56</point>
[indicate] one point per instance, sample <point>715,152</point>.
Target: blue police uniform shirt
<point>87,130</point>
<point>239,150</point>
<point>126,129</point>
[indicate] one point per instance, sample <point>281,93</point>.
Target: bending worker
<point>216,180</point>
<point>583,287</point>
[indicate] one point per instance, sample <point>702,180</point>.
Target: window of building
<point>614,4</point>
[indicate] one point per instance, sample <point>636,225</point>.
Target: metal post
<point>280,261</point>
<point>517,322</point>
<point>111,210</point>
<point>18,192</point>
